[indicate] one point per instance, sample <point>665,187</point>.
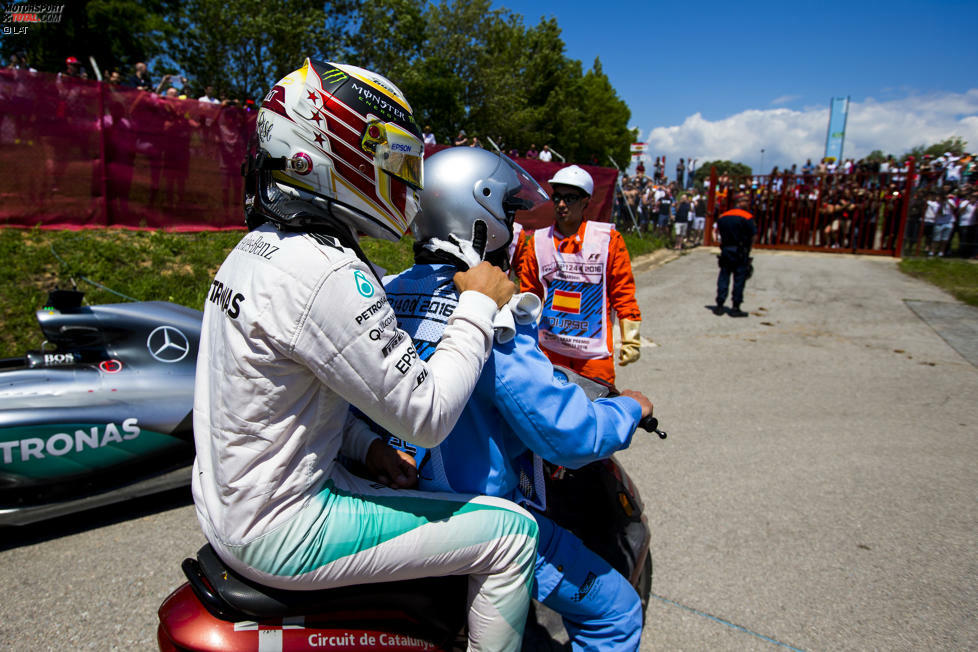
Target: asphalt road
<point>818,490</point>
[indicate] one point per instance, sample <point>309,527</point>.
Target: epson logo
<point>398,147</point>
<point>63,443</point>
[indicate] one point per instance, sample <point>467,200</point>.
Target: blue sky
<point>727,79</point>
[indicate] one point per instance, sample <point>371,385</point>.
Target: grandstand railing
<point>860,212</point>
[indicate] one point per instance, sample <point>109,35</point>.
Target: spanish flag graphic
<point>567,301</point>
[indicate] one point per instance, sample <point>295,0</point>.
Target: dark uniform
<point>736,229</point>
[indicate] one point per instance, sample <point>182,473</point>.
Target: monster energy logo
<point>334,76</point>
<point>378,102</point>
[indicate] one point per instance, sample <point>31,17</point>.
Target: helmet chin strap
<point>463,254</point>
<point>453,251</point>
<point>480,235</point>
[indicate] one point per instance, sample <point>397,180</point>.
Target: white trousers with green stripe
<point>355,531</point>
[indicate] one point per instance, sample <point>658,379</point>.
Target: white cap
<point>575,176</point>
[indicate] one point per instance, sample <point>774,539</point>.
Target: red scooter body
<point>189,626</point>
<point>426,614</point>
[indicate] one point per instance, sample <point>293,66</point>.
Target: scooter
<point>218,610</point>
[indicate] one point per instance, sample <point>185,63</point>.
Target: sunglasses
<point>569,198</point>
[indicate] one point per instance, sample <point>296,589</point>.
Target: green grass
<point>958,277</point>
<point>142,265</point>
<point>646,244</point>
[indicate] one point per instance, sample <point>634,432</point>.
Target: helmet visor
<point>528,195</point>
<point>396,151</point>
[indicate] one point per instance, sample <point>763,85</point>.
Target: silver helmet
<point>469,203</point>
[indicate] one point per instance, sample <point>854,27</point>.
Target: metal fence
<point>860,212</point>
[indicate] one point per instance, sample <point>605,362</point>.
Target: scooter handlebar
<point>651,424</point>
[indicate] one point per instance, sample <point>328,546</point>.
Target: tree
<point>955,145</point>
<point>389,36</point>
<point>242,47</point>
<point>876,156</point>
<point>603,129</point>
<point>730,168</point>
<point>116,33</point>
<point>480,69</point>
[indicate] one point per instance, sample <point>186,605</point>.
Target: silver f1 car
<point>102,412</point>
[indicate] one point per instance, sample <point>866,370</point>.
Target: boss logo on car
<point>58,359</point>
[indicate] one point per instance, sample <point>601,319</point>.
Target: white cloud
<point>791,136</point>
<point>784,99</point>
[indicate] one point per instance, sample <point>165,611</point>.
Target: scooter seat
<point>438,602</point>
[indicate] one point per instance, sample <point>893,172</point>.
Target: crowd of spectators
<point>170,86</point>
<point>465,139</point>
<point>852,204</point>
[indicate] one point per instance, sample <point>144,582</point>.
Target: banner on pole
<point>836,134</point>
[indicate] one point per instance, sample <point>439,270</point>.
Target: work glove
<point>630,342</point>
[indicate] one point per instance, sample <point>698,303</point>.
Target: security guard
<point>736,229</point>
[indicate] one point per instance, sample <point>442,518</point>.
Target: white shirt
<point>966,213</point>
<point>429,138</point>
<point>545,155</point>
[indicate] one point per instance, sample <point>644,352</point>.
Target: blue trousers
<point>600,609</point>
<point>739,272</point>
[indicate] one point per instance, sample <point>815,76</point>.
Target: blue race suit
<point>518,407</point>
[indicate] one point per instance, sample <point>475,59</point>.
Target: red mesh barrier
<point>79,154</point>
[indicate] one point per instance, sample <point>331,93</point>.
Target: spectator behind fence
<point>208,96</point>
<point>546,155</point>
<point>73,69</point>
<point>18,61</point>
<point>141,78</point>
